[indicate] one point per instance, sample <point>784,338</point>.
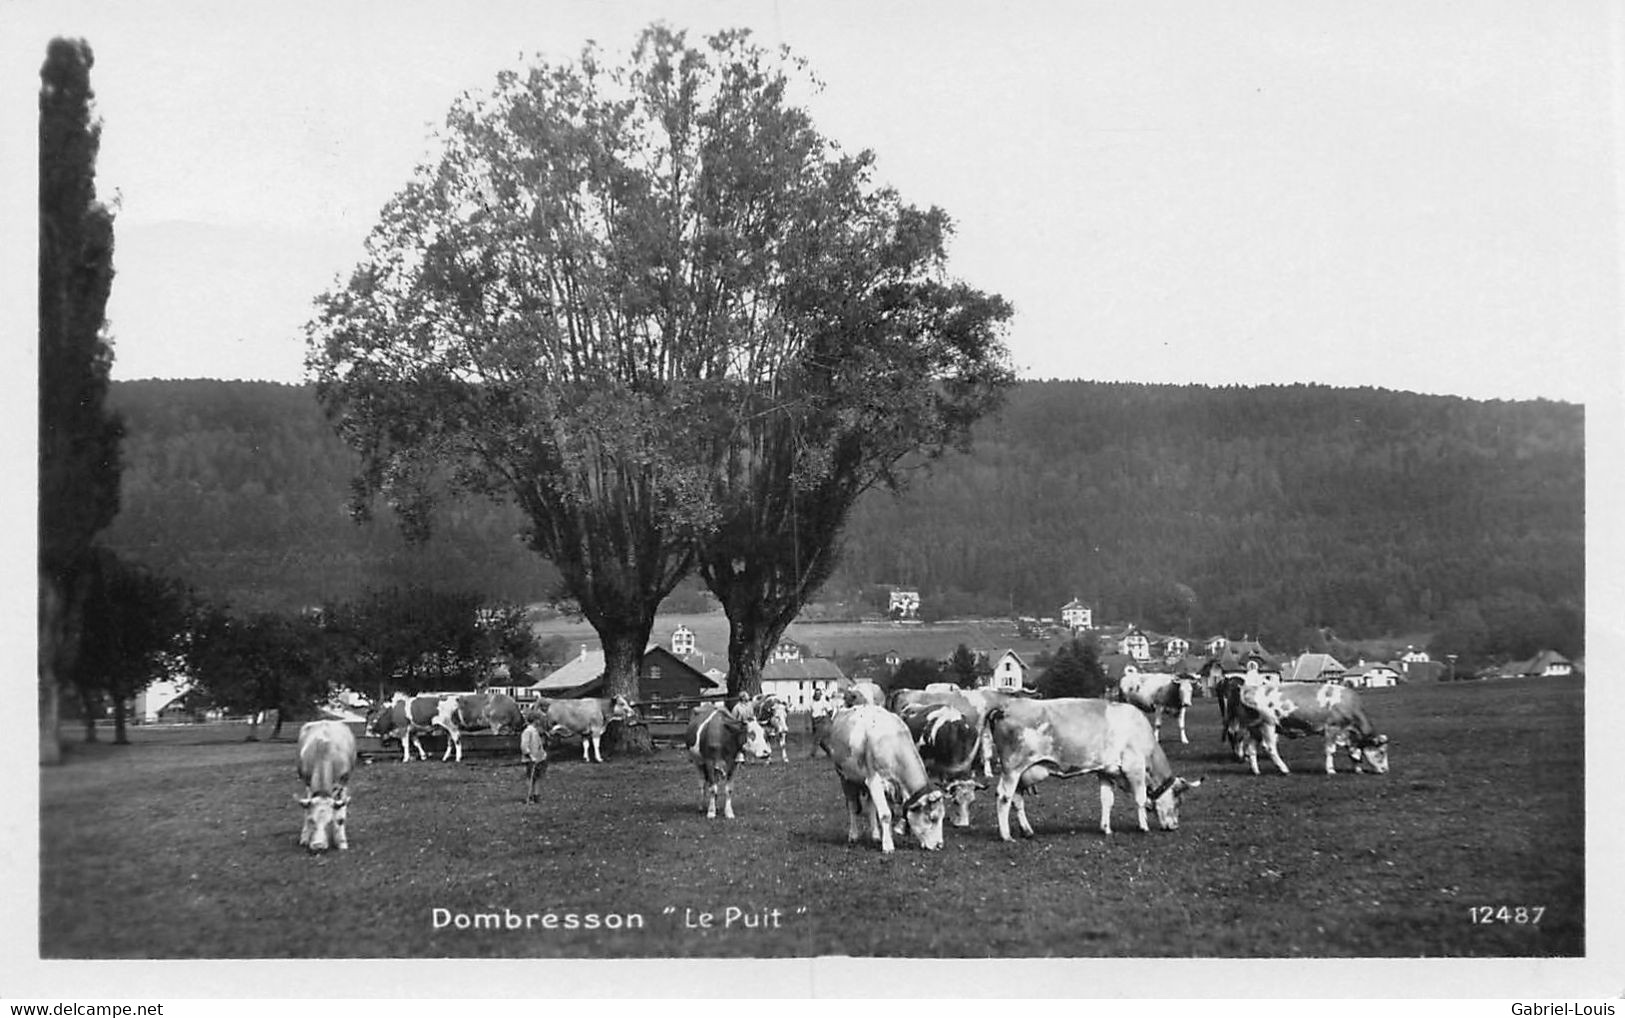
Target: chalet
<point>1216,644</point>
<point>1242,659</point>
<point>1313,668</point>
<point>683,642</point>
<point>795,681</point>
<point>1413,656</point>
<point>1171,648</point>
<point>1010,672</point>
<point>662,675</point>
<point>1371,674</point>
<point>1077,615</point>
<point>904,604</point>
<point>1135,644</point>
<point>150,702</point>
<point>787,650</point>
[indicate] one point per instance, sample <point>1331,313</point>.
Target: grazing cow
<point>948,740</point>
<point>1304,708</point>
<point>469,712</point>
<point>877,761</point>
<point>406,718</point>
<point>975,703</point>
<point>326,758</point>
<point>1227,693</point>
<point>717,741</point>
<point>1038,739</point>
<point>586,718</point>
<point>1158,694</point>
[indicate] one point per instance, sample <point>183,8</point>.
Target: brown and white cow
<point>1038,739</point>
<point>1333,710</point>
<point>948,740</point>
<point>407,718</point>
<point>585,718</point>
<point>473,712</point>
<point>716,741</point>
<point>877,762</point>
<point>863,693</point>
<point>1158,693</point>
<point>326,759</point>
<point>976,703</point>
<point>773,714</point>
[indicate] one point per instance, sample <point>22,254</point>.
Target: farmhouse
<point>1313,668</point>
<point>787,650</point>
<point>683,642</point>
<point>1372,674</point>
<point>1010,672</point>
<point>1077,615</point>
<point>1546,664</point>
<point>904,604</point>
<point>795,681</point>
<point>662,675</point>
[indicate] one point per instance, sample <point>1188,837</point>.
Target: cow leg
<point>984,746</point>
<point>1003,795</point>
<point>784,747</point>
<point>728,794</point>
<point>1272,744</point>
<point>406,747</point>
<point>1331,753</point>
<point>1182,727</point>
<point>854,810</point>
<point>1249,749</point>
<point>341,837</point>
<point>882,814</point>
<point>1107,797</point>
<point>1021,814</point>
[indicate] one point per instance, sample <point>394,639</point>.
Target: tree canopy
<point>658,310</point>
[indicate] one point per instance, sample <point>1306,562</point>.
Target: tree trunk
<point>623,665</point>
<point>748,647</point>
<point>276,729</point>
<point>121,735</point>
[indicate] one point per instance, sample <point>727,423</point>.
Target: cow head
<point>1373,754</point>
<point>324,819</point>
<point>1166,800</point>
<point>755,744</point>
<point>962,793</point>
<point>621,709</point>
<point>1186,689</point>
<point>924,811</point>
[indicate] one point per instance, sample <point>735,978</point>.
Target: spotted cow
<point>948,740</point>
<point>471,712</point>
<point>1295,709</point>
<point>1157,694</point>
<point>407,718</point>
<point>717,740</point>
<point>585,718</point>
<point>1038,739</point>
<point>877,762</point>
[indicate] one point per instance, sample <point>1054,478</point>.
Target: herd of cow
<point>921,751</point>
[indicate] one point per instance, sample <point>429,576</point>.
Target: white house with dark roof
<point>795,681</point>
<point>683,642</point>
<point>1077,615</point>
<point>1009,672</point>
<point>1313,668</point>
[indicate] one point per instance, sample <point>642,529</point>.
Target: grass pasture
<point>184,845</point>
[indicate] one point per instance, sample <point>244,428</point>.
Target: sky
<point>1416,197</point>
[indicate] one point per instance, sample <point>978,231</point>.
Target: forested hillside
<point>1242,510</point>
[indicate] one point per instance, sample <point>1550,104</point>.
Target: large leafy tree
<point>78,438</point>
<point>260,662</point>
<point>669,319</point>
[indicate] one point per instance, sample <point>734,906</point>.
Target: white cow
<point>877,761</point>
<point>326,758</point>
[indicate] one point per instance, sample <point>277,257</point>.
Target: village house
<point>787,650</point>
<point>795,681</point>
<point>1371,674</point>
<point>662,675</point>
<point>1077,616</point>
<point>683,642</point>
<point>904,604</point>
<point>1313,668</point>
<point>1009,672</point>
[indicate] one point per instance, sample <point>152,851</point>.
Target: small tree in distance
<point>1075,671</point>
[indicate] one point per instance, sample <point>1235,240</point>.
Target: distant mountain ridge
<point>1241,510</point>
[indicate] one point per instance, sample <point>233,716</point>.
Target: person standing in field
<point>822,711</point>
<point>533,750</point>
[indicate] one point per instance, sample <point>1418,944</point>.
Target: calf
<point>948,741</point>
<point>326,758</point>
<point>716,742</point>
<point>1158,694</point>
<point>1038,739</point>
<point>1304,708</point>
<point>877,761</point>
